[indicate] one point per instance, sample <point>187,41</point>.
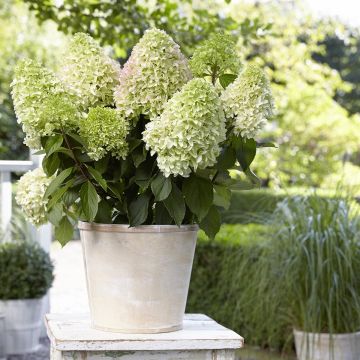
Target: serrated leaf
<point>198,194</point>
<point>138,210</point>
<point>175,205</point>
<point>54,185</point>
<point>226,79</point>
<point>211,222</point>
<point>97,176</point>
<point>89,200</point>
<point>222,196</point>
<point>64,231</point>
<point>161,187</point>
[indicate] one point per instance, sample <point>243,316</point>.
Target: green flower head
<point>41,103</point>
<point>104,131</point>
<point>186,136</point>
<point>155,70</point>
<point>88,72</point>
<point>215,55</point>
<point>248,101</point>
<point>30,195</point>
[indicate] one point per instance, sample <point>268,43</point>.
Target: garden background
<point>314,68</point>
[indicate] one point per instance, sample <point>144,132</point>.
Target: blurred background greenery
<point>314,67</point>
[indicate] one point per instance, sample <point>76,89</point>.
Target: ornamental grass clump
<point>147,145</point>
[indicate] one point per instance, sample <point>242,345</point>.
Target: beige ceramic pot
<point>138,278</point>
<point>313,346</point>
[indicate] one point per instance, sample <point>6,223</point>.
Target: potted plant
<point>26,274</point>
<point>315,259</point>
<point>140,155</point>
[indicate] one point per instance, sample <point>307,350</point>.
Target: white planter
<point>23,320</point>
<point>312,346</point>
<point>138,278</point>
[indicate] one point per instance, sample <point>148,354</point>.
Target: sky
<point>346,10</point>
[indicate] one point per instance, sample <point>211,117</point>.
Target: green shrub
<point>26,271</point>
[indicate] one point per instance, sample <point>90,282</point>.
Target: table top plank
<point>73,332</point>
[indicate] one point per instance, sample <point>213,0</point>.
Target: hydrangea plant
<point>151,143</point>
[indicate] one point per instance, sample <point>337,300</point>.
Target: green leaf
<point>102,164</point>
<point>57,195</point>
<point>54,185</point>
<point>175,205</point>
<point>227,79</point>
<point>104,213</point>
<point>138,210</point>
<point>77,138</point>
<point>143,175</point>
<point>65,151</point>
<point>265,145</point>
<point>226,159</point>
<point>198,194</point>
<point>222,196</point>
<point>55,214</point>
<point>50,164</point>
<point>245,151</point>
<point>161,187</point>
<point>97,176</point>
<point>114,188</point>
<point>139,155</point>
<point>64,231</point>
<point>39,152</point>
<point>53,143</point>
<point>70,197</point>
<point>211,222</point>
<point>89,200</point>
<point>162,216</point>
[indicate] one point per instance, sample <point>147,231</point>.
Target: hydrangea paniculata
<point>186,136</point>
<point>30,195</point>
<point>104,131</point>
<point>218,54</point>
<point>89,72</point>
<point>248,101</point>
<point>155,70</point>
<point>41,103</point>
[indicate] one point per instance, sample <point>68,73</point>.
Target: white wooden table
<point>202,338</point>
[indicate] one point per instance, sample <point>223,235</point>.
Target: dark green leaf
<point>53,143</point>
<point>265,144</point>
<point>245,151</point>
<point>198,194</point>
<point>222,196</point>
<point>211,222</point>
<point>162,216</point>
<point>50,164</point>
<point>138,209</point>
<point>65,151</point>
<point>161,187</point>
<point>226,159</point>
<point>70,197</point>
<point>89,200</point>
<point>175,205</point>
<point>64,231</point>
<point>102,164</point>
<point>253,178</point>
<point>54,185</point>
<point>77,138</point>
<point>143,175</point>
<point>97,176</point>
<point>116,189</point>
<point>139,155</point>
<point>55,214</point>
<point>104,213</point>
<point>227,79</point>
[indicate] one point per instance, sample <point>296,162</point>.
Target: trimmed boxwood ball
<point>26,271</point>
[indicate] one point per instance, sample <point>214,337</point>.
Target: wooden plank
<point>16,165</point>
<point>74,333</point>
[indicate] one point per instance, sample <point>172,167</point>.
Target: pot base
<point>140,331</point>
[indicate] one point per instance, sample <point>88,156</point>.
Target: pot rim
<point>125,228</point>
<point>336,335</point>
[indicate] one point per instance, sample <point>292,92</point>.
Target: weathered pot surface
<point>316,346</point>
<point>138,278</point>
